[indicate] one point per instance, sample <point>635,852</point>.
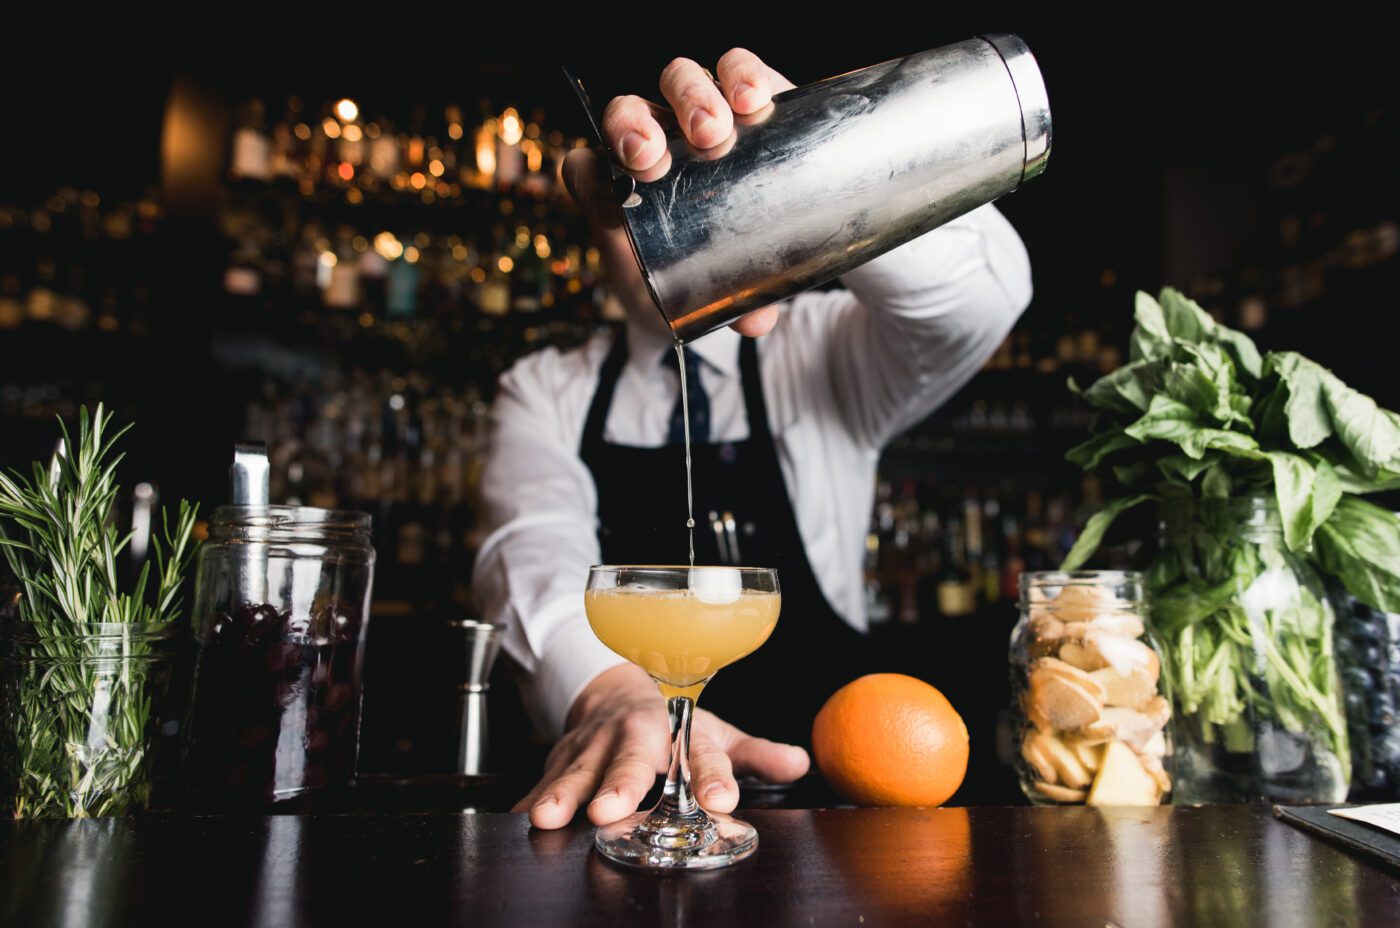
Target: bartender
<point>586,466</point>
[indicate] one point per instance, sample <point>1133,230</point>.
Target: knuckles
<point>623,111</point>
<point>736,57</point>
<point>640,726</point>
<point>675,65</point>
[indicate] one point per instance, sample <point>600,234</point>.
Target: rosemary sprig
<point>76,710</point>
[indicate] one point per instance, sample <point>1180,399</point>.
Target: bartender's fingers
<point>561,795</point>
<point>712,772</point>
<point>701,110</point>
<point>639,756</point>
<point>757,323</point>
<point>633,132</point>
<point>768,760</point>
<point>747,82</point>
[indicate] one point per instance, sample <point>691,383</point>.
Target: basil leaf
<point>1166,419</point>
<point>1370,433</point>
<point>1089,454</point>
<point>1094,529</point>
<point>1128,389</point>
<point>1353,482</point>
<point>1242,349</point>
<point>1354,478</point>
<point>1217,483</point>
<point>1203,377</point>
<point>1185,468</point>
<point>1293,488</point>
<point>1327,491</point>
<point>1130,475</point>
<point>1360,546</point>
<point>1271,417</point>
<point>1234,444</point>
<point>1309,423</point>
<point>1185,320</point>
<point>1150,339</point>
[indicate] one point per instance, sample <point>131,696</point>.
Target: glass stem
<point>676,798</point>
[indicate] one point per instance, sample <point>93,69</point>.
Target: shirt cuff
<point>574,658</point>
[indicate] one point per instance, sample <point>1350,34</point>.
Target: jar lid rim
<point>283,517</point>
<point>1061,576</point>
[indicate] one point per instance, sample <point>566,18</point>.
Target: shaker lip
<point>1029,84</point>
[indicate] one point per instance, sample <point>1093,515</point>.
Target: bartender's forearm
<point>940,272</point>
<point>925,317</point>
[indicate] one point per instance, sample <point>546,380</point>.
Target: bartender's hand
<point>703,108</point>
<point>619,740</point>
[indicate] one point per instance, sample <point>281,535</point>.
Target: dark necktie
<point>699,402</point>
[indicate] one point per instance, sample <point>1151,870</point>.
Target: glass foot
<point>696,842</point>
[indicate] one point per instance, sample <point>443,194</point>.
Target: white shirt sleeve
<point>539,502</point>
<point>926,316</point>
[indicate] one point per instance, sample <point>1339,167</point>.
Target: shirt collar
<point>719,349</point>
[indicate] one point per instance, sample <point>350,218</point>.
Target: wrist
<point>616,684</point>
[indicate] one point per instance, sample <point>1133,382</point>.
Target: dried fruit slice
<point>1079,654</point>
<point>1031,751</point>
<point>1124,655</point>
<point>1050,665</point>
<point>1154,768</point>
<point>1136,728</point>
<point>1079,603</point>
<point>1089,751</point>
<point>1122,780</point>
<point>1156,745</point>
<point>1046,627</point>
<point>1100,731</point>
<point>1132,690</point>
<point>1066,763</point>
<point>1122,624</point>
<point>1065,705</point>
<point>1059,793</point>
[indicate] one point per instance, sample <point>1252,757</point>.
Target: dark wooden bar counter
<point>987,865</point>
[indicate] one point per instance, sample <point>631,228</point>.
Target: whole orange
<point>887,739</point>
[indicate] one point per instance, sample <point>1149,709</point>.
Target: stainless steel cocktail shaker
<point>832,175</point>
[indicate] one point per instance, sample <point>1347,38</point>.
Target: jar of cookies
<point>1086,678</point>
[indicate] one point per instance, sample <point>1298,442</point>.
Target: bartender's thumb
<point>588,181</point>
<point>759,757</point>
<point>770,761</point>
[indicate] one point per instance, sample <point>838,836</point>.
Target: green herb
<point>77,710</point>
<point>1196,418</point>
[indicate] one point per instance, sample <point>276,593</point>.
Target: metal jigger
<point>249,479</point>
<point>483,643</point>
<point>829,176</point>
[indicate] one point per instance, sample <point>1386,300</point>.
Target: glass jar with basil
<point>1246,476</point>
<point>1248,658</point>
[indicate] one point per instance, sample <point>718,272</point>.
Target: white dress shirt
<point>843,372</point>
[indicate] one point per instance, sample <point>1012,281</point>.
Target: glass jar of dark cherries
<point>281,598</point>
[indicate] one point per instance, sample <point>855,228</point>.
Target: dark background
<point>1183,146</point>
<point>1168,135</point>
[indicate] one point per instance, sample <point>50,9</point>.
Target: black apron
<point>776,691</point>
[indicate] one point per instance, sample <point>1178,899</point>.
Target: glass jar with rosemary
<point>86,664</point>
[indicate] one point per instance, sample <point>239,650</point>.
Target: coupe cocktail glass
<point>680,625</point>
